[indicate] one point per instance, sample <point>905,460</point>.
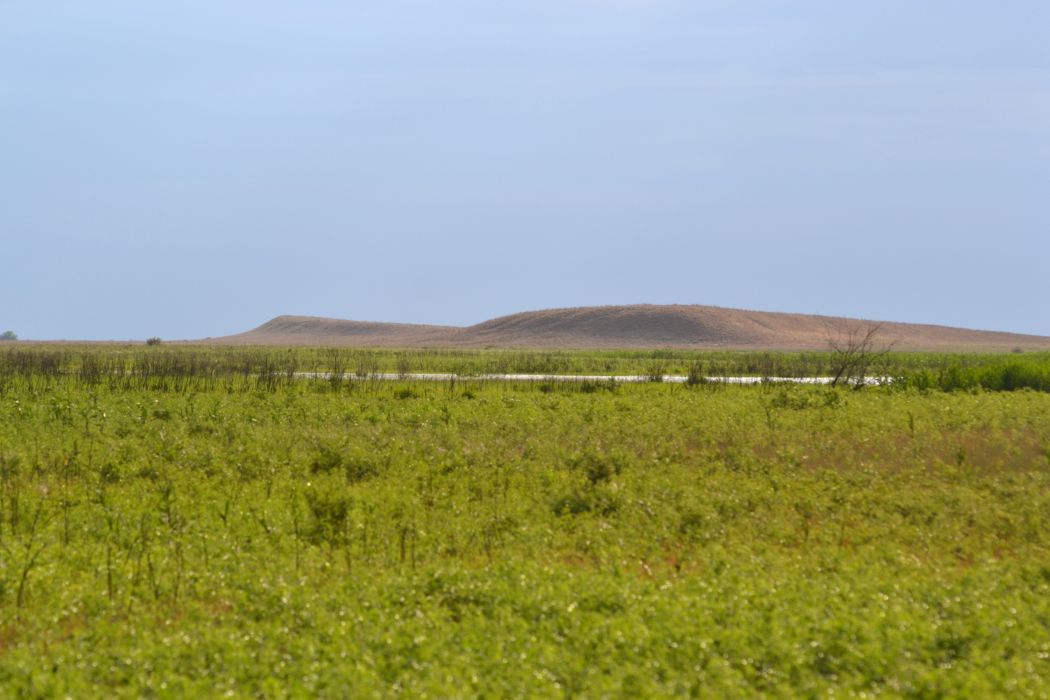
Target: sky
<point>192,169</point>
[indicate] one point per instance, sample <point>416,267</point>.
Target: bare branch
<point>855,348</point>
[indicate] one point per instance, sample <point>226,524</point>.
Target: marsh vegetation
<point>176,521</point>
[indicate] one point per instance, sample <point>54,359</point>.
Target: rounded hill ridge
<point>638,326</point>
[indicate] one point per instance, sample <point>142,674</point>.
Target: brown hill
<point>637,326</point>
<point>312,330</point>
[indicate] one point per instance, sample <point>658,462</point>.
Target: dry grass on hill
<point>637,326</point>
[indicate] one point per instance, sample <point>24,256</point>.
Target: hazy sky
<point>192,169</point>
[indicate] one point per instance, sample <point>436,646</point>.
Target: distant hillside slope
<point>313,330</point>
<point>637,326</point>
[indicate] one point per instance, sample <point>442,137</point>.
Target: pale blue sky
<point>192,169</point>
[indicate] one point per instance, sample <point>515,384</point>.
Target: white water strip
<point>617,378</point>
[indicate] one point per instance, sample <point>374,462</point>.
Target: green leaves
<point>653,541</point>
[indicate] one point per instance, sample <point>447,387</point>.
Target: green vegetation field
<point>186,522</point>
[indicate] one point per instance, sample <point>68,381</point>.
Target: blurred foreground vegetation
<point>185,522</point>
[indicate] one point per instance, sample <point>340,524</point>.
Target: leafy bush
<point>356,467</point>
<point>1008,374</point>
<point>329,515</point>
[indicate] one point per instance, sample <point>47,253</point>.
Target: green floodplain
<point>192,522</point>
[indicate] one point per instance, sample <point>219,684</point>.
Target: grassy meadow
<point>178,521</point>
